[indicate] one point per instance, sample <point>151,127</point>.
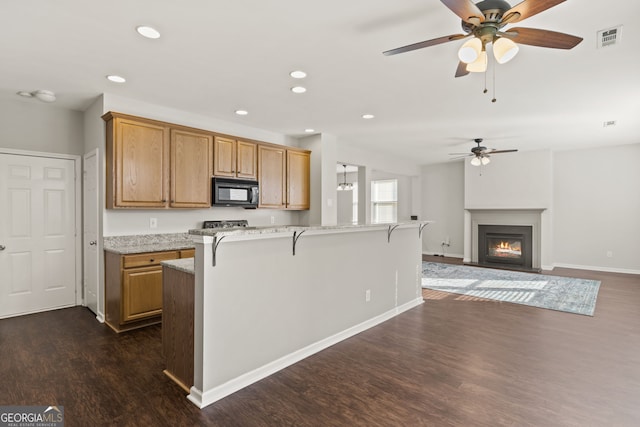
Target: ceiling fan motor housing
<point>493,11</point>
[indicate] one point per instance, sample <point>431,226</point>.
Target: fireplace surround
<point>536,218</point>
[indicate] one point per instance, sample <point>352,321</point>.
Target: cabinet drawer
<point>187,253</point>
<point>148,259</point>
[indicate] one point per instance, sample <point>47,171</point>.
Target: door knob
<point>2,247</point>
<point>93,243</point>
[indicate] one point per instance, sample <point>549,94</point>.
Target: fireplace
<point>507,246</point>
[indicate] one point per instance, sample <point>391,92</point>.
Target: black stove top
<point>233,223</point>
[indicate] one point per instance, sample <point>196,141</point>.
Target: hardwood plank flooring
<point>454,361</point>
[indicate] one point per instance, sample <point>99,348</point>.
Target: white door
<point>37,234</point>
<point>90,231</point>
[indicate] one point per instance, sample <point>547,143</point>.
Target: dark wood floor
<point>454,361</point>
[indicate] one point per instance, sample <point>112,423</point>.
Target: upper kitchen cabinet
<point>190,169</point>
<point>152,164</point>
<point>284,177</point>
<point>235,158</point>
<point>137,153</point>
<point>272,163</point>
<point>298,171</point>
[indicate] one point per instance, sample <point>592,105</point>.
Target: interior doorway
<point>347,194</point>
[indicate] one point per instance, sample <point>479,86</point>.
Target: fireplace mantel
<point>536,217</point>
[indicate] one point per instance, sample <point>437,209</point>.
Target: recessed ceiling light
<point>116,79</point>
<point>368,116</point>
<point>298,74</point>
<point>25,94</point>
<point>309,130</point>
<point>148,32</point>
<point>242,112</point>
<point>298,89</point>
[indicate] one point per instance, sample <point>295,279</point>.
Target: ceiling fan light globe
<point>470,51</point>
<point>476,161</point>
<point>485,161</point>
<point>504,50</point>
<point>479,65</point>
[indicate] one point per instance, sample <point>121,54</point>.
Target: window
<point>384,201</point>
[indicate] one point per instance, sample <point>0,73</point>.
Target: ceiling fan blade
<point>460,157</point>
<point>462,69</point>
<point>542,38</point>
<point>501,151</point>
<point>424,44</point>
<point>528,8</point>
<point>466,10</point>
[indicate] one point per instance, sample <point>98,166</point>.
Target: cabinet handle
<point>164,201</point>
<point>2,247</point>
<point>151,260</point>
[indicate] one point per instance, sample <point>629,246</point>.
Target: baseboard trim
<point>595,268</point>
<point>205,398</point>
<point>446,255</point>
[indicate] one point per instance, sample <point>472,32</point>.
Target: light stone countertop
<point>186,265</point>
<point>142,243</point>
<point>244,231</point>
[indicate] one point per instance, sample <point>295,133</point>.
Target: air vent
<point>609,37</point>
<point>609,123</point>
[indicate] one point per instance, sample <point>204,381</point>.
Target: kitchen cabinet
<point>284,177</point>
<point>235,158</point>
<point>153,164</point>
<point>190,169</point>
<point>298,185</point>
<point>133,288</point>
<point>272,162</point>
<point>137,154</point>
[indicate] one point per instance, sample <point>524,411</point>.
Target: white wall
<point>28,124</point>
<point>323,182</point>
<point>443,202</point>
<point>514,180</point>
<point>597,208</point>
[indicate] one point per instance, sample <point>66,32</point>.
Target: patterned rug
<point>538,290</point>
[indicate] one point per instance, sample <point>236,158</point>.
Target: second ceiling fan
<point>483,22</point>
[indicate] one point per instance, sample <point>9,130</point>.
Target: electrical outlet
<point>153,222</point>
<point>609,254</point>
<point>367,295</point>
<point>273,219</point>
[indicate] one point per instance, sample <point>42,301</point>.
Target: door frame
<point>77,190</point>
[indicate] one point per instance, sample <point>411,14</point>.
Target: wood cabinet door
<point>272,177</point>
<point>298,185</point>
<point>224,157</point>
<point>247,160</point>
<point>190,169</point>
<point>141,163</point>
<point>141,293</point>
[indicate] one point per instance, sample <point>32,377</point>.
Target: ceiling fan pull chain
<point>494,83</point>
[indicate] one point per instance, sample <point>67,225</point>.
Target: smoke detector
<point>609,36</point>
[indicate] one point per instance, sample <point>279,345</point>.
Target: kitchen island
<point>265,298</point>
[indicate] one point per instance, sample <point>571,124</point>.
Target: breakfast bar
<point>265,298</point>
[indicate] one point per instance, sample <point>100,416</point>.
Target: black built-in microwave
<point>234,192</point>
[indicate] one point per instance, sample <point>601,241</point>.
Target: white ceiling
<point>218,56</point>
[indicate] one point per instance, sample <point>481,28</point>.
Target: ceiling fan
<point>480,154</point>
<point>482,22</point>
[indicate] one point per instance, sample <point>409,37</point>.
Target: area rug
<point>538,290</point>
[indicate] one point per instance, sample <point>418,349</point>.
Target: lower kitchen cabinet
<point>133,288</point>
